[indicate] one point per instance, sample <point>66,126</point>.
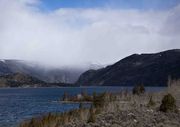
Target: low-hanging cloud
<point>72,36</point>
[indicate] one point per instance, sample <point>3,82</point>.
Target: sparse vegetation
<point>99,100</point>
<point>151,102</point>
<point>40,122</point>
<point>83,97</point>
<point>53,120</point>
<point>107,106</point>
<point>168,104</point>
<point>138,90</point>
<point>56,120</point>
<point>91,115</point>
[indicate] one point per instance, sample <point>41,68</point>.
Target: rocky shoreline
<point>118,110</point>
<point>132,118</point>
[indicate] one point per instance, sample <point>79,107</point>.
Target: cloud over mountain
<point>72,36</point>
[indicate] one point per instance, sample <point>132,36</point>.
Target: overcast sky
<point>73,32</point>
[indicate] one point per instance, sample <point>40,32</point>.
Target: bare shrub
<point>168,104</point>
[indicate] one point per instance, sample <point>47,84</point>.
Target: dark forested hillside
<point>148,69</point>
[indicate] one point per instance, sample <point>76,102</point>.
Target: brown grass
<point>106,102</point>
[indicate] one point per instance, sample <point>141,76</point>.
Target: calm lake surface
<point>18,104</point>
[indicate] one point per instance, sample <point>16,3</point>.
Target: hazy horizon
<point>66,33</point>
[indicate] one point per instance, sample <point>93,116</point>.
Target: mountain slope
<point>149,69</point>
<point>20,80</point>
<point>47,74</point>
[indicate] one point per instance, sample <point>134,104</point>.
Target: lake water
<point>18,104</point>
